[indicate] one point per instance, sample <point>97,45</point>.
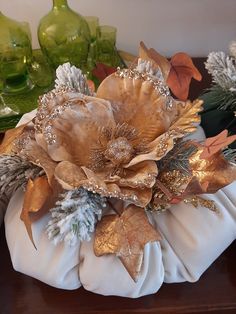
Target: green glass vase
<point>15,56</point>
<point>64,36</point>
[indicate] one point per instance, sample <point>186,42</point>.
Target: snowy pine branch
<point>14,173</point>
<point>75,216</point>
<point>223,70</point>
<point>72,77</point>
<point>230,154</point>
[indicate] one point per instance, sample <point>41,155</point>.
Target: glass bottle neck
<point>60,4</point>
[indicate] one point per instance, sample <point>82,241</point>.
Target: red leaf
<point>101,71</point>
<point>181,72</point>
<point>214,144</point>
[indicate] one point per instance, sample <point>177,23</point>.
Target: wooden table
<point>215,292</point>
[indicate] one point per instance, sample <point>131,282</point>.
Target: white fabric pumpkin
<point>192,239</point>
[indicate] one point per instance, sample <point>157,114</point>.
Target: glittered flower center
<point>119,151</point>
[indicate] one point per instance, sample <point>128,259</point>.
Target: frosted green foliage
<point>223,70</point>
<point>75,216</point>
<point>230,155</point>
<point>15,173</point>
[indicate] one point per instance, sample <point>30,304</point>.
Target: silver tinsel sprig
<point>223,70</point>
<point>70,76</point>
<point>75,216</point>
<point>14,173</point>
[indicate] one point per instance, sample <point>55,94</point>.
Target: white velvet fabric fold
<point>57,266</point>
<point>106,275</point>
<point>192,239</point>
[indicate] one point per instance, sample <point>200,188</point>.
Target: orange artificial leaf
<point>181,72</point>
<point>153,56</point>
<point>125,236</point>
<point>215,144</point>
<point>37,194</point>
<point>101,71</point>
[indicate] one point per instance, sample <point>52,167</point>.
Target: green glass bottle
<point>64,36</point>
<point>15,56</point>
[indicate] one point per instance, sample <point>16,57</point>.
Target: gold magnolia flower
<point>110,143</point>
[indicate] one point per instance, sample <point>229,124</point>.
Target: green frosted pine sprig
<point>222,69</point>
<point>218,98</point>
<point>74,217</point>
<point>178,157</point>
<point>15,172</point>
<point>70,76</point>
<point>230,154</point>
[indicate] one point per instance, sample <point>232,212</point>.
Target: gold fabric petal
<point>158,148</point>
<point>106,187</point>
<point>75,130</point>
<point>69,175</point>
<point>137,103</point>
<point>35,154</point>
<point>142,175</point>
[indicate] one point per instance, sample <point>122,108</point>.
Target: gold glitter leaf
<point>210,175</point>
<point>187,116</point>
<point>125,236</point>
<point>199,201</point>
<point>37,193</point>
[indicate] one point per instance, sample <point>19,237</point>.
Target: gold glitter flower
<point>109,144</point>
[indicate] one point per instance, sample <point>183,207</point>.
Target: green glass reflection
<point>106,46</point>
<point>15,56</point>
<point>64,36</point>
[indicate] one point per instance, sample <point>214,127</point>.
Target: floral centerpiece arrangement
<point>104,166</point>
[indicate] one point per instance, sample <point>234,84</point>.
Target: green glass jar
<point>15,56</point>
<point>64,36</point>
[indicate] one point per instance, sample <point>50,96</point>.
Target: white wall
<point>194,26</point>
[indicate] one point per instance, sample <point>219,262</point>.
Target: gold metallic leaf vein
<point>187,116</point>
<point>125,236</point>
